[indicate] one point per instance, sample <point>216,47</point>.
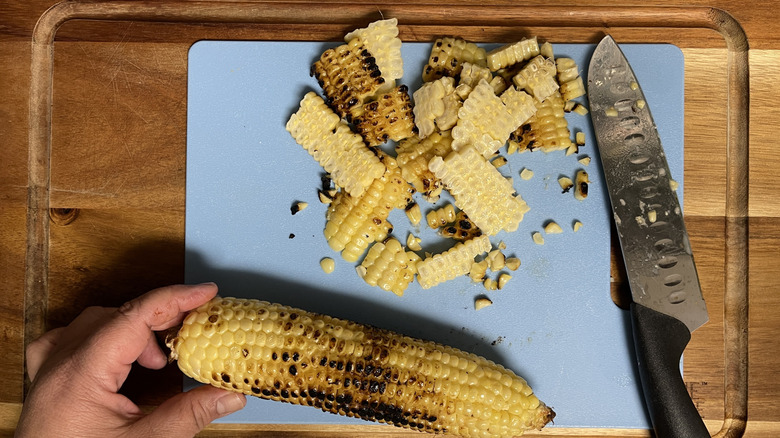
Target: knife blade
<point>667,300</point>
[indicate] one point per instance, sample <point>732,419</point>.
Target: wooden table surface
<point>118,171</point>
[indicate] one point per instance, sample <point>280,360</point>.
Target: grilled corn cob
<point>413,155</point>
<point>389,266</point>
<point>448,55</point>
<point>381,40</point>
<point>332,143</point>
<point>348,75</point>
<point>286,354</point>
<point>480,190</point>
<point>436,106</point>
<point>452,263</point>
<point>353,223</point>
<point>485,121</point>
<point>389,117</point>
<point>511,54</point>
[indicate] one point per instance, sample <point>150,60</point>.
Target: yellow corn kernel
<point>499,162</point>
<point>332,143</point>
<point>503,279</point>
<point>511,54</point>
<point>537,77</point>
<point>348,75</point>
<point>452,263</point>
<point>652,216</point>
<point>546,50</point>
<point>389,117</point>
<point>640,103</point>
<point>472,74</point>
<point>388,266</point>
<point>413,213</point>
<point>353,223</point>
<point>481,303</point>
<point>496,260</point>
<point>526,174</point>
<point>490,284</point>
<point>441,216</point>
<point>448,56</point>
<point>413,157</point>
<point>580,109</point>
<point>611,112</point>
<point>584,160</point>
<point>566,69</point>
<point>573,89</point>
<point>538,238</point>
<point>480,191</point>
<point>413,242</point>
<point>347,368</point>
<point>581,185</point>
<point>381,40</point>
<point>674,185</point>
<point>577,225</point>
<point>328,265</point>
<point>512,263</point>
<point>566,183</point>
<point>436,106</point>
<point>547,129</point>
<point>553,228</point>
<point>478,270</point>
<point>486,120</point>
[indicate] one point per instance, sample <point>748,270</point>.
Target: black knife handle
<point>659,340</point>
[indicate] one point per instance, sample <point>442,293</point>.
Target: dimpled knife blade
<point>649,220</point>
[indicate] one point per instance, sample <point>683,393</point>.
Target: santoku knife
<point>667,301</point>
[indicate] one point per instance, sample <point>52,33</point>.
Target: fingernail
<point>230,403</point>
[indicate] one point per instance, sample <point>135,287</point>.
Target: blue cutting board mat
<point>553,324</point>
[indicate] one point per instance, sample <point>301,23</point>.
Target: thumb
<point>186,414</point>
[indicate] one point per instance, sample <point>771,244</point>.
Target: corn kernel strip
<point>452,263</point>
<point>389,117</point>
<point>388,266</point>
<point>448,56</point>
<point>512,54</point>
<point>381,40</point>
<point>413,155</point>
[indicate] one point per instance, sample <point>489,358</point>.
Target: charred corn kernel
<point>478,271</point>
<point>332,143</point>
<point>389,117</point>
<point>577,225</point>
<point>452,263</point>
<point>413,213</point>
<point>490,284</point>
<point>496,260</point>
<point>553,228</point>
<point>448,56</point>
<point>328,265</point>
<point>537,77</point>
<point>441,216</point>
<point>461,228</point>
<point>388,266</point>
<point>472,74</point>
<point>298,206</point>
<point>413,156</point>
<point>566,183</point>
<point>480,191</point>
<point>580,109</point>
<point>287,354</point>
<point>348,75</point>
<point>547,129</point>
<point>611,112</point>
<point>486,120</point>
<point>581,185</point>
<point>566,69</point>
<point>436,106</point>
<point>481,303</point>
<point>503,279</point>
<point>355,222</point>
<point>569,105</point>
<point>573,89</point>
<point>511,54</point>
<point>498,162</point>
<point>381,40</point>
<point>324,197</point>
<point>512,263</point>
<point>413,242</point>
<point>584,160</point>
<point>526,174</point>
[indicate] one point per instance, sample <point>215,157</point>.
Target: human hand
<point>77,370</point>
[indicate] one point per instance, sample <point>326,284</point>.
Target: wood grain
<point>118,157</point>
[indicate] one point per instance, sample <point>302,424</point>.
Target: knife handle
<point>659,340</point>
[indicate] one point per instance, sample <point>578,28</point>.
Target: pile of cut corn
<point>447,133</point>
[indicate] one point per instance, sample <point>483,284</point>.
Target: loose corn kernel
<point>503,279</point>
<point>611,112</point>
<point>501,245</point>
<point>538,238</point>
<point>441,216</point>
<point>640,103</point>
<point>481,303</point>
<point>512,263</point>
<point>499,162</point>
<point>634,85</point>
<point>566,183</point>
<point>526,174</point>
<point>298,206</point>
<point>579,138</point>
<point>413,213</point>
<point>328,265</point>
<point>553,228</point>
<point>581,185</point>
<point>413,242</point>
<point>478,270</point>
<point>651,216</point>
<point>490,284</point>
<point>573,149</point>
<point>674,185</point>
<point>324,197</point>
<point>480,191</point>
<point>290,355</point>
<point>452,263</point>
<point>496,260</point>
<point>584,160</point>
<point>580,109</point>
<point>577,225</point>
